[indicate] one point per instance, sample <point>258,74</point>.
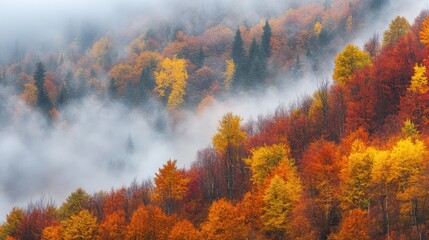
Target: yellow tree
<point>229,74</point>
<point>171,186</point>
<point>224,222</point>
<point>419,81</point>
<point>184,230</point>
<point>80,227</point>
<point>280,197</point>
<point>398,28</point>
<point>113,227</point>
<point>228,143</point>
<point>101,52</point>
<point>171,81</point>
<point>348,62</point>
<point>408,160</point>
<point>317,29</point>
<point>264,160</point>
<point>356,177</point>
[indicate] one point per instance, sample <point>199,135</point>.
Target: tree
<point>229,74</point>
<point>224,222</point>
<point>148,223</point>
<point>228,143</point>
<point>52,233</point>
<point>239,57</point>
<point>264,160</point>
<point>170,186</point>
<point>81,226</point>
<point>347,62</point>
<point>256,66</point>
<point>280,197</point>
<point>357,177</point>
<point>354,226</point>
<point>43,102</point>
<point>266,47</point>
<point>74,203</point>
<point>102,52</point>
<point>184,230</point>
<point>321,168</point>
<point>30,94</point>
<point>398,28</point>
<point>113,227</point>
<point>373,46</point>
<point>419,81</point>
<point>171,81</point>
<point>13,220</point>
<point>424,33</point>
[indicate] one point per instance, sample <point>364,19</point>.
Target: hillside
<point>347,161</point>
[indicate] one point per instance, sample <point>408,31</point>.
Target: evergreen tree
<point>64,95</point>
<point>200,58</point>
<point>113,88</point>
<point>239,58</point>
<point>147,81</point>
<point>266,40</point>
<point>130,145</point>
<point>255,68</point>
<point>297,68</point>
<point>43,101</point>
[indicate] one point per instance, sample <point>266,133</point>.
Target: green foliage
<point>10,227</point>
<point>398,28</point>
<point>74,203</point>
<point>266,47</point>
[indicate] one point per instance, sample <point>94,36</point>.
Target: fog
<point>87,146</point>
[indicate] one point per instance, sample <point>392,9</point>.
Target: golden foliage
<point>264,160</point>
<point>82,226</point>
<point>171,81</point>
<point>419,81</point>
<point>30,94</point>
<point>348,61</point>
<point>229,74</point>
<point>52,233</point>
<point>224,222</point>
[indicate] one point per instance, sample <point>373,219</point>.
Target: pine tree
<point>266,41</point>
<point>239,58</point>
<point>43,102</point>
<point>200,58</point>
<point>256,66</point>
<point>113,88</point>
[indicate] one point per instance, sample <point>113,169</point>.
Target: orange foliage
<point>184,230</point>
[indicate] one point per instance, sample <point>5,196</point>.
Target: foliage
<point>398,28</point>
<point>170,185</point>
<point>80,226</point>
<point>171,81</point>
<point>223,222</point>
<point>350,60</point>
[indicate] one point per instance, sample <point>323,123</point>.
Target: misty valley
<point>214,119</point>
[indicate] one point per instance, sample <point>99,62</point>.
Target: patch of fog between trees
<point>98,145</point>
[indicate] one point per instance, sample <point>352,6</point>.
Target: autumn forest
<point>346,161</point>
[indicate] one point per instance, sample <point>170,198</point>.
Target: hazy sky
<point>87,149</point>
